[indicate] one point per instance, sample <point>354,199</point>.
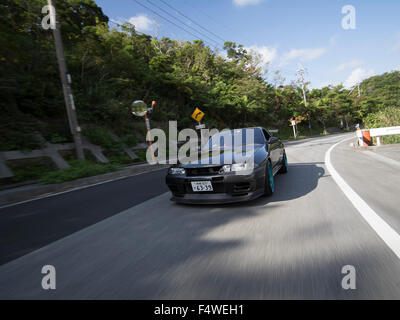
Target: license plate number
<point>202,186</point>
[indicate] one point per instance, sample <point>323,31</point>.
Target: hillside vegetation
<point>111,67</point>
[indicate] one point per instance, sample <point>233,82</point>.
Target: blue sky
<point>285,32</point>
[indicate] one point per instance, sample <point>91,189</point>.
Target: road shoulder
<point>374,181</point>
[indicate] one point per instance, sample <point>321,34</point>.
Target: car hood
<point>225,156</point>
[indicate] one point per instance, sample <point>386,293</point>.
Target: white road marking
<point>384,230</point>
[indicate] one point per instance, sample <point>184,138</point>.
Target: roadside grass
<point>286,133</point>
<point>388,117</point>
<point>43,171</point>
<point>28,171</point>
<point>79,169</point>
<point>141,154</point>
<point>392,139</point>
<point>113,150</point>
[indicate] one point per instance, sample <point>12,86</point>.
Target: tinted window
<point>228,137</point>
<point>266,135</point>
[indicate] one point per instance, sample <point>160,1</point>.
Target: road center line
<point>384,230</point>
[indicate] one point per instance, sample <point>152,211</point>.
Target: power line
<point>208,16</point>
<point>173,23</point>
<point>182,14</point>
<point>120,25</point>
<point>194,29</point>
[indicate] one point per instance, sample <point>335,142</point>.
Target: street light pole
<point>66,81</point>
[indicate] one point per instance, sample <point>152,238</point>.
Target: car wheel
<point>284,166</point>
<point>269,184</point>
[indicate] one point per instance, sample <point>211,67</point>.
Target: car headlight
<point>177,170</point>
<point>225,168</point>
<point>235,167</point>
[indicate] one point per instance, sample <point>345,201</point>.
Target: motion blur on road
<point>126,239</point>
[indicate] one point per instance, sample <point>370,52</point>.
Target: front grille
<point>203,171</point>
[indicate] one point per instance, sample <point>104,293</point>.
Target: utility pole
<point>301,72</point>
<point>66,81</point>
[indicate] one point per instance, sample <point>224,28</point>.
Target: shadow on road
<point>175,239</point>
<point>300,179</point>
<point>160,250</point>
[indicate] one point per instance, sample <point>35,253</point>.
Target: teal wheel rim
<point>271,177</point>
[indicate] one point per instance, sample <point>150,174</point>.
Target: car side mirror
<point>273,139</point>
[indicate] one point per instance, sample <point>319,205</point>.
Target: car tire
<point>284,165</point>
<point>269,184</point>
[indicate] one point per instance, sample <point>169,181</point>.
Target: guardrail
<point>365,135</point>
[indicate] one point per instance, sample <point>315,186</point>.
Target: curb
<point>33,192</point>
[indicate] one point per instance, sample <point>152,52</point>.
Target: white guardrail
<point>365,135</point>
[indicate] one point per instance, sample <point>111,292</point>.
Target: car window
<point>228,137</point>
<point>266,135</point>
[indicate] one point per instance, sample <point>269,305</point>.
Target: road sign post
<point>147,121</point>
<point>198,115</point>
<point>200,126</point>
<point>293,123</point>
<point>140,109</point>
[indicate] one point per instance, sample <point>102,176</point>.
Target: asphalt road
<point>291,245</point>
<point>32,225</point>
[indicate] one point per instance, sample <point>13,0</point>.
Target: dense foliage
<point>111,67</point>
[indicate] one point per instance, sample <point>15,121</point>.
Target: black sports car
<point>211,181</point>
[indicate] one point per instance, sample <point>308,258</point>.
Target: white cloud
<point>242,3</point>
<point>267,54</point>
<point>142,23</point>
<point>350,65</point>
<point>357,76</point>
<point>302,55</point>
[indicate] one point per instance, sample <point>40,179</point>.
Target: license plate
<point>202,186</point>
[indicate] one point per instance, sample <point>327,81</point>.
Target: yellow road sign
<point>198,115</point>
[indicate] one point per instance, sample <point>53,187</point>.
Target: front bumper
<point>228,188</point>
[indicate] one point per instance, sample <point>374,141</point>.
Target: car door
<point>276,150</point>
<point>273,147</point>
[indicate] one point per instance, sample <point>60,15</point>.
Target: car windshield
<point>238,137</point>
